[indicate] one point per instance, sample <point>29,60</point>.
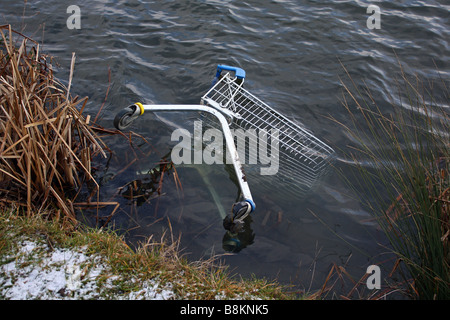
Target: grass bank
<point>41,260</point>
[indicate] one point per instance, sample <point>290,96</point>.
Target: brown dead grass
<point>46,144</point>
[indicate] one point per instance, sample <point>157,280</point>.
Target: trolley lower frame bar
<point>129,114</point>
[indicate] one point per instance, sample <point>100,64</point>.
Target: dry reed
<point>46,145</point>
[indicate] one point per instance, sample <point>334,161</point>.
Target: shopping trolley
<point>302,157</point>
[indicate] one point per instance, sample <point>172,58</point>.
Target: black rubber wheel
<point>124,118</point>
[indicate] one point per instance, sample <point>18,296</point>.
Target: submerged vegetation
<point>405,173</point>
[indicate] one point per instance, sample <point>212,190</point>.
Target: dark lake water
<point>166,52</point>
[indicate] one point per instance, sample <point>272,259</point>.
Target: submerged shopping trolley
<point>301,157</point>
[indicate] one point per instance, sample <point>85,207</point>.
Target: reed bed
<point>405,175</point>
<point>46,144</point>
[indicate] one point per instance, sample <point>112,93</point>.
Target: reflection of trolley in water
<point>302,157</point>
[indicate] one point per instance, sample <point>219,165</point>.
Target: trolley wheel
<point>234,221</point>
<point>125,117</point>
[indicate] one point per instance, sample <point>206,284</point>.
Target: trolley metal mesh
<point>303,158</point>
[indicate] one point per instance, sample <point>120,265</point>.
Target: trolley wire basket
<point>300,157</point>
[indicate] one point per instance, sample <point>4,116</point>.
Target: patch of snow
<point>38,272</point>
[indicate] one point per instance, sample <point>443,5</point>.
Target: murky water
<point>292,51</point>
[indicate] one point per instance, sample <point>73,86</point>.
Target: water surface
<point>293,53</point>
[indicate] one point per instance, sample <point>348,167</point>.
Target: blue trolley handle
<point>239,73</point>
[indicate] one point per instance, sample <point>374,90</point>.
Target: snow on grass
<point>37,271</point>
